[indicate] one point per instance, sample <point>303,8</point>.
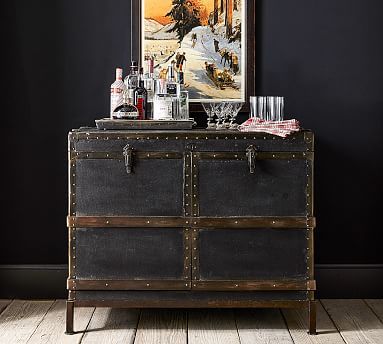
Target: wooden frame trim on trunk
<point>281,222</point>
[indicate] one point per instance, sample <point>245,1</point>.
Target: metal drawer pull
<point>250,153</point>
<point>127,152</point>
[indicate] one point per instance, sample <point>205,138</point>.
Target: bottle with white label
<point>162,107</point>
<point>117,90</point>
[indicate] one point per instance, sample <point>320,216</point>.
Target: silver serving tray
<point>137,124</point>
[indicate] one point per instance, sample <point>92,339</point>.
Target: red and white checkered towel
<point>279,128</point>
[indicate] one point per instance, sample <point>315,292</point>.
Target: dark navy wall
<point>325,57</point>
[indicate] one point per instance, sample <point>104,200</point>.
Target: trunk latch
<point>250,153</point>
<point>127,152</point>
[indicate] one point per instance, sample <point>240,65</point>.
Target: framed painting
<point>211,41</point>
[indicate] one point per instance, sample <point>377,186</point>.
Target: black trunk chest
<point>190,219</point>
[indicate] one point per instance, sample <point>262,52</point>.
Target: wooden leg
<point>312,317</point>
<point>69,317</point>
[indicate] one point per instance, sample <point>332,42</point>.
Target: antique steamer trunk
<point>190,219</point>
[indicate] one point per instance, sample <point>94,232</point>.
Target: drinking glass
<point>208,107</point>
<point>269,108</point>
<point>236,107</point>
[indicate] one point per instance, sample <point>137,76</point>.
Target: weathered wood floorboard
<point>162,327</point>
<point>355,321</point>
<point>20,319</point>
<point>43,322</point>
<point>4,304</point>
<point>212,327</point>
<point>262,326</point>
<point>297,322</point>
<point>112,325</point>
<point>377,306</point>
<point>52,328</point>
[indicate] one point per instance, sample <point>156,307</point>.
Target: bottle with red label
<point>117,90</point>
<point>141,97</point>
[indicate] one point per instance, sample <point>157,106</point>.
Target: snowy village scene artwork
<point>203,38</point>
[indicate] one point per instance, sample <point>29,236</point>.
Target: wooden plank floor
<point>339,321</point>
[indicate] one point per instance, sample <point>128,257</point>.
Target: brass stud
<point>236,285</point>
<point>106,284</point>
<point>147,221</point>
<point>107,222</point>
<point>186,138</point>
<point>147,284</point>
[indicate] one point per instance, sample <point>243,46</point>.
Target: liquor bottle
<point>141,96</point>
<point>126,110</point>
<point>117,90</point>
<point>180,77</point>
<point>172,86</point>
<point>131,80</point>
<point>148,66</point>
<point>162,102</point>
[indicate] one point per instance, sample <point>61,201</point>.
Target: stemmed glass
<point>227,112</point>
<point>236,107</point>
<point>220,111</point>
<point>209,107</point>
